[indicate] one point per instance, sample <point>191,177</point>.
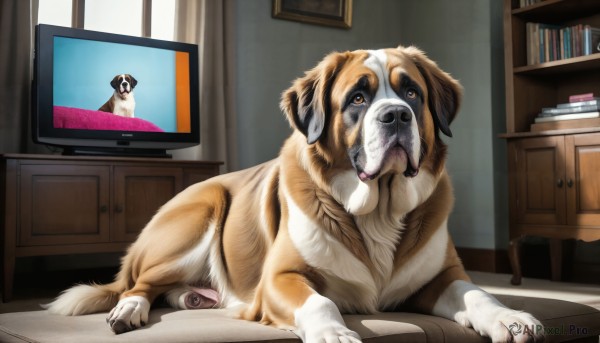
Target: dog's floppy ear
<point>306,103</point>
<point>114,83</point>
<point>133,81</point>
<point>444,91</point>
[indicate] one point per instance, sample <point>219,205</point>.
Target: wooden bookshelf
<point>529,88</point>
<point>554,191</point>
<point>554,11</point>
<point>569,65</point>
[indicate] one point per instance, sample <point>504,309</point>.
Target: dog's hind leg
<point>131,312</point>
<point>171,251</point>
<point>155,278</point>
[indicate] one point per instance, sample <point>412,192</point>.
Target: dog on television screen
<point>121,102</point>
<point>350,218</point>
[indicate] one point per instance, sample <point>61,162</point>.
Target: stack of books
<point>582,110</point>
<point>547,43</point>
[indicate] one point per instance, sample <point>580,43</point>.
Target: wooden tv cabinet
<point>53,205</point>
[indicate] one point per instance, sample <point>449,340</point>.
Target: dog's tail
<point>84,299</point>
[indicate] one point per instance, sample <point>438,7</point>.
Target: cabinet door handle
<point>118,208</point>
<point>559,183</point>
<point>103,209</point>
<point>570,183</point>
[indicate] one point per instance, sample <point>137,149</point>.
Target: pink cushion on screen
<point>78,118</point>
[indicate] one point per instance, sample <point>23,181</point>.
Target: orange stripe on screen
<point>182,85</point>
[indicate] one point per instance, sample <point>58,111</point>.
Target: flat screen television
<point>101,93</point>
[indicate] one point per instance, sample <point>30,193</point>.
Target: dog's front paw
<point>515,326</point>
<point>331,334</point>
<point>320,321</point>
<point>470,306</point>
<point>129,314</point>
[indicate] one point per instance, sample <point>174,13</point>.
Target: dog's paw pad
<point>129,314</point>
<point>119,326</point>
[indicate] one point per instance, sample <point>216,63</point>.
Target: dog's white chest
<point>417,271</point>
<point>124,107</point>
<point>352,285</point>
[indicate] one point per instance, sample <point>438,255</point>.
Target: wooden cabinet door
<point>540,177</point>
<point>63,204</point>
<point>139,193</point>
<point>583,179</point>
<point>198,174</point>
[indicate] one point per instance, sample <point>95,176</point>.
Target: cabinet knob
<point>559,183</point>
<point>118,208</point>
<point>570,183</point>
<point>103,209</point>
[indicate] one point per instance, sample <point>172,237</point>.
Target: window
<point>114,16</point>
<point>163,19</point>
<point>55,12</point>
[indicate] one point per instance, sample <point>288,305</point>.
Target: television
<point>107,94</point>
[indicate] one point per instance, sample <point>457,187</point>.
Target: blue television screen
<point>104,90</point>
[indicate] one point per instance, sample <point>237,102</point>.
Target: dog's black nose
<point>397,114</point>
<point>124,84</point>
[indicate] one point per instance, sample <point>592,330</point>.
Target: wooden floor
<point>588,294</point>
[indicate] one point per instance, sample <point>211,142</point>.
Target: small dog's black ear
<point>113,83</point>
<point>133,81</point>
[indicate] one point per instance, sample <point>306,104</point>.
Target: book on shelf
<point>553,111</point>
<point>565,124</point>
<point>592,38</point>
<point>591,102</point>
<point>580,106</point>
<point>571,116</point>
<point>547,43</point>
<point>582,97</point>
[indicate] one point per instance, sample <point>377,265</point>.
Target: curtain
<point>209,24</point>
<point>16,46</point>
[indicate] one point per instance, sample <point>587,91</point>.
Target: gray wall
<point>463,36</point>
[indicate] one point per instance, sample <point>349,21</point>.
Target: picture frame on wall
<point>334,13</point>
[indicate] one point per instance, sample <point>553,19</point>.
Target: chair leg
<point>556,254</point>
<point>8,271</point>
<point>514,255</point>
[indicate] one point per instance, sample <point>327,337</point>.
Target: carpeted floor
<point>29,298</point>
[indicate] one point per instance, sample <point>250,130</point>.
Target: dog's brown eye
<point>358,99</point>
<point>411,94</point>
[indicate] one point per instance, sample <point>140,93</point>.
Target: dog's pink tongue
<point>199,298</point>
<point>363,176</point>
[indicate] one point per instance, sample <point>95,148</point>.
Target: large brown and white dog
<point>121,102</point>
<point>350,218</point>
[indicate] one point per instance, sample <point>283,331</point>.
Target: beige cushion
<point>167,325</point>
